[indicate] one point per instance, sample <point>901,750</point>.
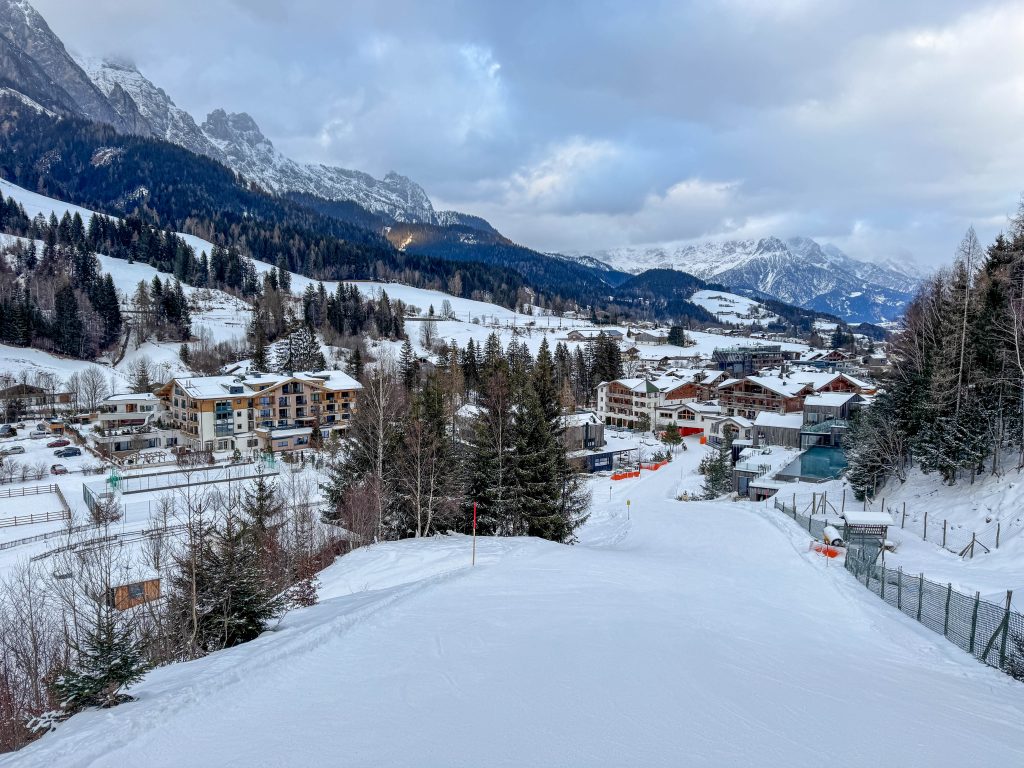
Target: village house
<point>739,428</point>
<point>627,402</point>
<point>650,337</point>
<point>592,334</point>
<point>826,418</point>
<point>130,422</point>
<point>31,400</point>
<point>778,429</point>
<point>582,430</point>
<point>783,391</point>
<point>691,418</point>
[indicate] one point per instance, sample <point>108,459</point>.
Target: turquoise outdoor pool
<point>817,463</point>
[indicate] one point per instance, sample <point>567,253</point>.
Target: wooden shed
<point>127,596</point>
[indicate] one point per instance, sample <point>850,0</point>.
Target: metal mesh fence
<point>814,524</point>
<point>992,633</point>
<point>957,538</point>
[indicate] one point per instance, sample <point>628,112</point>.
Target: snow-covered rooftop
<point>122,396</point>
<point>780,420</point>
<point>833,399</point>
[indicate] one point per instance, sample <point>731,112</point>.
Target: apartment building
<point>632,401</point>
<point>752,395</point>
<point>782,393</point>
<point>269,412</point>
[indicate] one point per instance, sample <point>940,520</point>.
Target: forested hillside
<point>954,403</point>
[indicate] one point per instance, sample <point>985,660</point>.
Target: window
<point>136,591</point>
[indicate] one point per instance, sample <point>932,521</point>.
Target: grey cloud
<point>886,127</point>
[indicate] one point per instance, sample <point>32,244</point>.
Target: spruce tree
<point>716,467</point>
<point>68,330</point>
<point>109,658</point>
<point>408,365</point>
<point>355,364</point>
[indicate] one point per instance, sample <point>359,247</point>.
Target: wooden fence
<point>41,517</point>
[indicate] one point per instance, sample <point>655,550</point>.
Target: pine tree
<point>109,659</point>
<point>408,365</point>
<point>491,461</point>
<point>355,364</point>
<point>259,353</point>
<point>716,467</point>
<point>264,515</point>
<point>535,486</point>
<point>68,330</point>
<point>234,599</point>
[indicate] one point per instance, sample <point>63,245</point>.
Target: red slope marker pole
<point>474,533</point>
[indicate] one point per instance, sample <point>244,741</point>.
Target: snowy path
<point>695,634</point>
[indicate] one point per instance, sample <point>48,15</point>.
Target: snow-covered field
<point>732,308</point>
<point>689,634</point>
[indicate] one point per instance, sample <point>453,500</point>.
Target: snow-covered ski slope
<point>694,634</point>
<point>732,308</point>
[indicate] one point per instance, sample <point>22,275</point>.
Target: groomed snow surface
<point>691,634</point>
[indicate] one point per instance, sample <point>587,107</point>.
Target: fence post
<point>842,508</point>
<point>945,624</point>
<point>944,534</point>
<point>903,522</point>
<point>809,524</point>
<point>974,620</point>
<point>925,537</point>
<point>899,589</point>
<point>1006,630</point>
<point>794,506</point>
<point>997,534</point>
<point>814,502</point>
<point>920,594</point>
<point>881,583</point>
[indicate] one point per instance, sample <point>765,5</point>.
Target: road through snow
<point>695,634</point>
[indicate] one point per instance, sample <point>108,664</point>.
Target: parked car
<point>58,469</point>
<point>64,453</point>
<point>58,443</point>
<point>38,434</point>
<point>20,425</point>
<point>8,431</point>
<point>12,449</point>
<point>41,426</point>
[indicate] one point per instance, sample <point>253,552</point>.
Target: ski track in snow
<point>698,633</point>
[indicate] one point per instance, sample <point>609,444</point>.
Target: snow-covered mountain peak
<point>235,127</point>
<point>164,118</point>
<point>37,61</point>
<point>797,270</point>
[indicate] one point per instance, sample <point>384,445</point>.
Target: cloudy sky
<point>885,127</point>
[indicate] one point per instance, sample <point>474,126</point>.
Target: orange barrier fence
<point>625,475</point>
<point>652,467</point>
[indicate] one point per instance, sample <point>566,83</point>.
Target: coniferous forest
<point>953,403</point>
